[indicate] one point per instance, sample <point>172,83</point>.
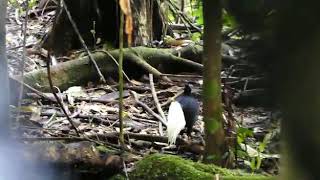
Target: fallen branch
<point>80,71</point>
<point>50,96</point>
<point>149,110</point>
<point>57,98</point>
<point>72,158</point>
<point>156,101</point>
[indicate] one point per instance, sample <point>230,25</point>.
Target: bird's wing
<point>176,121</point>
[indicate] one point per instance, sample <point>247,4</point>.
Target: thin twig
<point>56,96</point>
<point>23,58</point>
<point>115,61</point>
<point>52,139</point>
<point>39,93</point>
<point>156,101</point>
<point>45,7</point>
<point>136,58</point>
<point>121,136</point>
<point>49,96</point>
<point>171,99</point>
<point>183,16</point>
<point>144,137</point>
<point>17,16</point>
<point>181,75</point>
<point>187,62</point>
<point>106,120</point>
<point>125,169</point>
<point>148,109</point>
<point>83,42</point>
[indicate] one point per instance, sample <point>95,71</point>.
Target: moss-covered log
<point>51,159</point>
<point>80,71</point>
<point>159,166</point>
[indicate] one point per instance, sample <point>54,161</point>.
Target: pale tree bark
<point>212,108</point>
<point>4,88</point>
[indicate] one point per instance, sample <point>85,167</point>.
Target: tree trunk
<point>212,108</point>
<point>99,19</point>
<point>298,72</point>
<point>4,89</point>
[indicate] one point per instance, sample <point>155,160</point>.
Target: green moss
<point>159,166</point>
<point>106,150</point>
<point>212,90</point>
<point>212,125</point>
<point>213,169</point>
<point>249,177</point>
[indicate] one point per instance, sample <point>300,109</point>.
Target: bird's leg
<point>169,147</point>
<point>189,130</point>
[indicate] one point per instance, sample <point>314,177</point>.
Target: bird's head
<point>187,90</point>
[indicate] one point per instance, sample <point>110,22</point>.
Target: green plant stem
<point>121,136</point>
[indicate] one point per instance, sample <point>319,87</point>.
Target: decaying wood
<point>70,158</point>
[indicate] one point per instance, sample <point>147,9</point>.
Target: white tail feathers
<point>176,122</point>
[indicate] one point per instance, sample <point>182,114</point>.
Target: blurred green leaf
<point>196,36</point>
<point>243,133</point>
<point>228,20</point>
<point>253,164</point>
<point>198,13</point>
<point>266,140</point>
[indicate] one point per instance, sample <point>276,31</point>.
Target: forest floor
<point>257,124</point>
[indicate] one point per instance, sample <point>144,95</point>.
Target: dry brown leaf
<point>126,9</point>
<point>125,6</point>
<point>129,28</point>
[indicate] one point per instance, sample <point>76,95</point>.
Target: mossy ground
<point>160,166</point>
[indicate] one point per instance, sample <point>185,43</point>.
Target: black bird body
<point>190,107</point>
<point>183,113</point>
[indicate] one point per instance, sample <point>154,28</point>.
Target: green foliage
<point>14,3</point>
<point>196,36</point>
<point>256,162</point>
<point>196,10</point>
<point>199,15</point>
<point>20,4</point>
<point>266,140</point>
<point>32,3</point>
<point>228,21</point>
<point>169,16</point>
<point>255,155</point>
<point>243,133</point>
